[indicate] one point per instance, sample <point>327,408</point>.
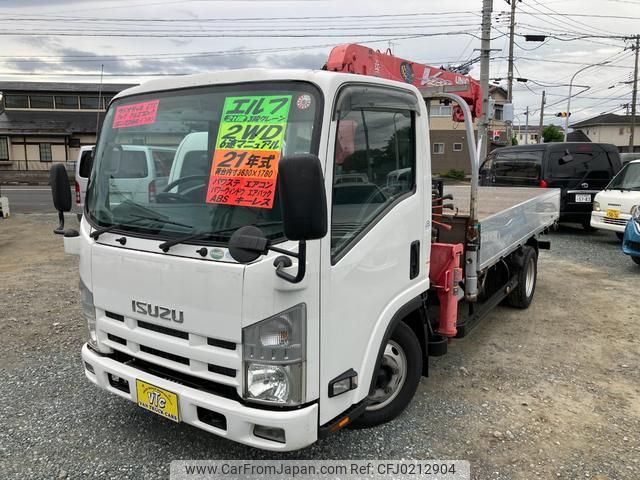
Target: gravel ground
<point>550,392</point>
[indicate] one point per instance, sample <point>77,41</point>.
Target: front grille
<point>164,330</point>
<point>168,356</point>
<point>615,221</point>
<point>229,372</point>
<point>190,381</point>
<point>116,339</point>
<point>215,342</point>
<point>188,352</point>
<point>115,316</point>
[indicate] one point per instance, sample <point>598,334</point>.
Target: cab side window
<point>374,166</point>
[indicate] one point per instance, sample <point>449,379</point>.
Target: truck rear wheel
<point>636,260</point>
<point>522,295</point>
<point>396,380</point>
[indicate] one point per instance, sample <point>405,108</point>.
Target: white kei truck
<point>301,266</point>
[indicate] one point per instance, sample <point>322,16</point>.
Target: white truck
<point>263,297</point>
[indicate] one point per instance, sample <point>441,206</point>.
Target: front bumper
<point>300,426</point>
<point>600,220</point>
<point>631,241</point>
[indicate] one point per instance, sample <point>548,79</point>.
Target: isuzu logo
<point>157,311</point>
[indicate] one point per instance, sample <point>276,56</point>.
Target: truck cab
<point>235,348</point>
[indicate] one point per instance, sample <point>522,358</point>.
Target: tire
<point>620,235</point>
<point>636,260</point>
<point>522,295</point>
<point>403,352</point>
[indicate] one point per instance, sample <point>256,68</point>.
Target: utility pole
<point>541,125</point>
<point>512,29</point>
<point>634,97</point>
<point>526,126</point>
<point>485,52</point>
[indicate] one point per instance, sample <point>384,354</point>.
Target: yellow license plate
<point>158,400</point>
<point>611,213</point>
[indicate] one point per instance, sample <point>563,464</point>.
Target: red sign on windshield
<point>136,114</point>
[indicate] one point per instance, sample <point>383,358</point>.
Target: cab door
<point>373,261</point>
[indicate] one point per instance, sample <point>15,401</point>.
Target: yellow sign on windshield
<point>250,140</point>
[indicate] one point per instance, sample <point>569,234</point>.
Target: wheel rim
<point>391,376</point>
<point>531,278</point>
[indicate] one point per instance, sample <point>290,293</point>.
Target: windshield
<point>628,178</point>
<point>200,160</point>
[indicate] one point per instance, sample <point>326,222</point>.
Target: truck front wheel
<point>522,295</point>
<point>396,380</point>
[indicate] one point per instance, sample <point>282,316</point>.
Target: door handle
<point>414,260</point>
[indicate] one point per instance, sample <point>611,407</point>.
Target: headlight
<point>274,353</point>
<point>635,212</point>
<point>596,206</point>
<point>89,311</point>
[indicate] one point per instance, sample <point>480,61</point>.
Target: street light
<point>566,127</point>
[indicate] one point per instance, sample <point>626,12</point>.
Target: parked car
<point>614,206</point>
<point>83,171</point>
<point>579,169</point>
<point>628,156</point>
<point>631,240</point>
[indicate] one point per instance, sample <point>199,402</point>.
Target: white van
<point>137,174</point>
<point>83,170</point>
<point>614,206</point>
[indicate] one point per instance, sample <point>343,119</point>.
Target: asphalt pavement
<point>29,198</point>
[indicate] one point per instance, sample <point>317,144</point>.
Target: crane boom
<point>358,59</point>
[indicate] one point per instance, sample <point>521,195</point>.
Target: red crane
<point>353,58</point>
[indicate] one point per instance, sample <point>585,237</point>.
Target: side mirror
<point>61,193</point>
<point>303,200</point>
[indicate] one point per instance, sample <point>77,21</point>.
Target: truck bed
<point>508,217</point>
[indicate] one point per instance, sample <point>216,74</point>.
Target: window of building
<point>457,147</point>
<point>16,101</point>
<point>498,112</point>
<point>89,103</point>
<point>45,152</point>
<point>441,111</point>
<point>374,163</point>
<point>4,148</point>
<point>66,102</point>
<point>621,131</point>
<point>41,101</point>
<point>438,148</point>
<point>105,101</point>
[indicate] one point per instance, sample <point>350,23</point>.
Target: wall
<point>611,134</point>
<point>27,147</point>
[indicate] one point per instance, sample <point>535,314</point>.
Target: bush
<point>453,173</point>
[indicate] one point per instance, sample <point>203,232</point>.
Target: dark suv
<point>579,169</point>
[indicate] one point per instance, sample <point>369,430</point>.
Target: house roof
<point>605,119</point>
<point>577,136</point>
<point>47,123</point>
<point>63,87</point>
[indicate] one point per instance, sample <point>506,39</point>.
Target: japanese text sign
<point>247,151</point>
<point>136,114</point>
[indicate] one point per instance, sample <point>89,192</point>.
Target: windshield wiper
<point>99,231</point>
<point>136,219</point>
<point>165,246</point>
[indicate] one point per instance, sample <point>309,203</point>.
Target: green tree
<point>551,133</point>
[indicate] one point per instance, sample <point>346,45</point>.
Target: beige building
<point>609,128</point>
<point>449,140</point>
<point>42,122</point>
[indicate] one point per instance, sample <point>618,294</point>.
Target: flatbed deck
<point>508,216</point>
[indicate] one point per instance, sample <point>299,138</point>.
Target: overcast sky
<point>44,38</point>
